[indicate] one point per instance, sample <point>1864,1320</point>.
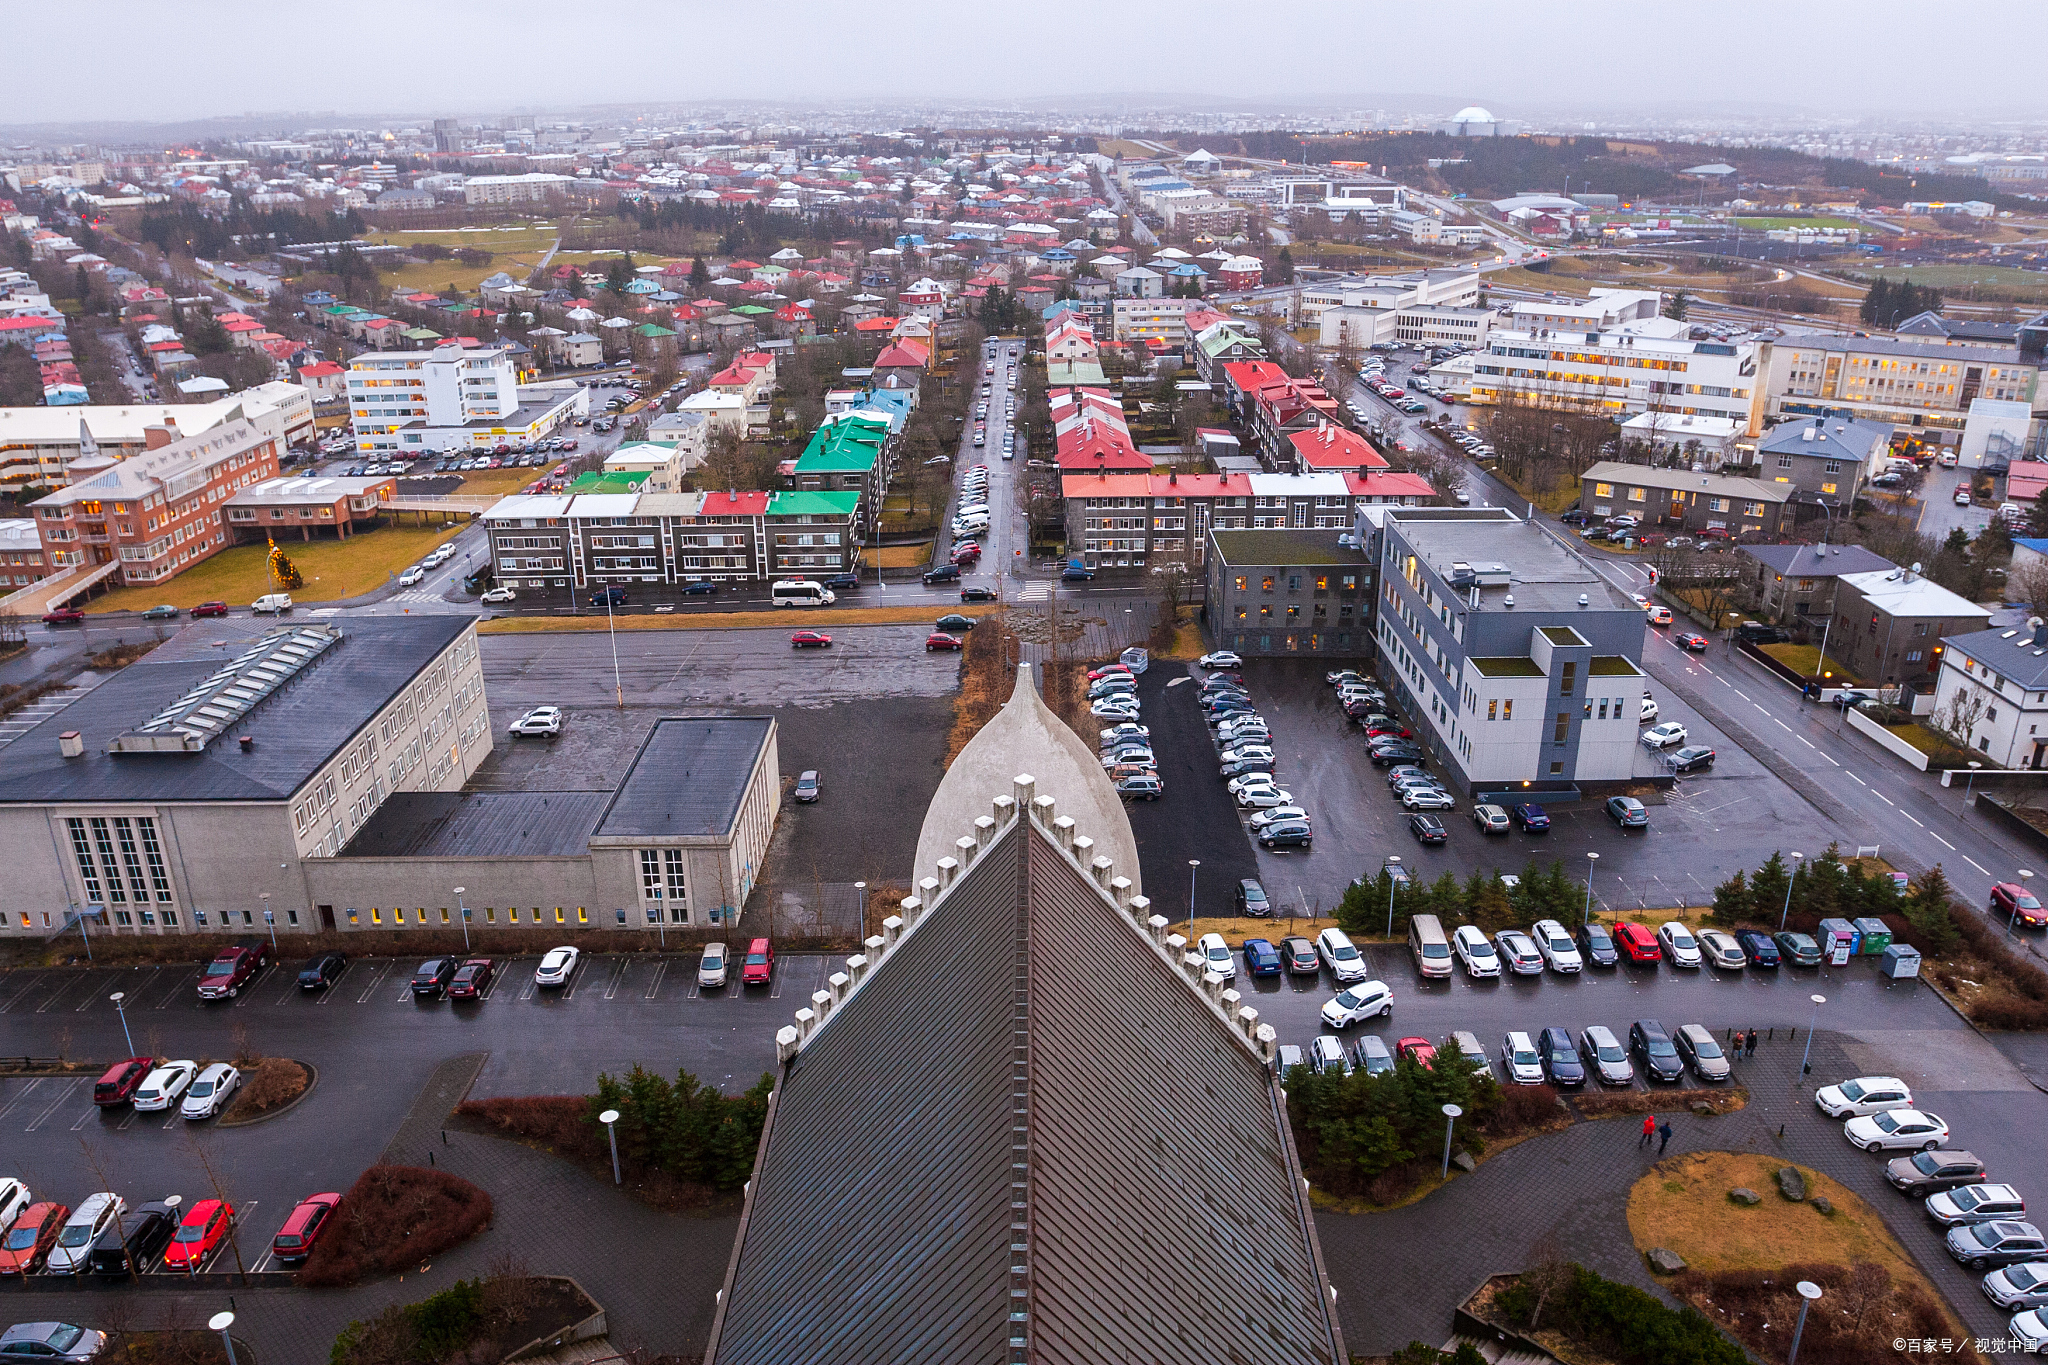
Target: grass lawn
<point>332,568</point>
<point>1774,224</point>
<point>511,237</point>
<point>1922,738</point>
<point>740,620</point>
<point>1806,661</point>
<point>1683,1204</point>
<point>1555,501</point>
<point>434,276</point>
<point>499,482</point>
<point>902,556</point>
<point>2029,286</point>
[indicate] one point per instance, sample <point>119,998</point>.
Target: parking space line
<point>781,975</point>
<point>63,989</point>
<point>1974,863</point>
<point>576,978</point>
<point>34,979</point>
<point>660,970</point>
<point>85,1118</point>
<point>526,991</point>
<point>375,979</point>
<point>1944,843</point>
<point>26,1091</point>
<point>90,996</point>
<point>290,990</point>
<point>248,992</point>
<point>611,985</point>
<point>171,1117</point>
<point>335,985</point>
<point>124,1125</point>
<point>492,989</point>
<point>54,1105</point>
<point>177,990</point>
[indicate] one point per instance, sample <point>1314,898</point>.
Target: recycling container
<point>1900,960</point>
<point>1876,935</point>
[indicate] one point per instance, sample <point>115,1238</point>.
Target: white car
<point>2030,1329</point>
<point>14,1197</point>
<point>1427,798</point>
<point>1664,736</point>
<point>1366,1000</point>
<point>557,966</point>
<point>541,720</point>
<point>1649,711</point>
<point>210,1091</point>
<point>1340,955</point>
<point>1519,950</point>
<point>1520,1060</point>
<point>1217,956</point>
<point>411,576</point>
<point>1897,1130</point>
<point>1275,814</point>
<point>499,595</point>
<point>1115,708</point>
<point>1116,734</point>
<point>1222,658</point>
<point>1680,947</point>
<point>1264,798</point>
<point>1864,1095</point>
<point>712,967</point>
<point>1243,780</point>
<point>1474,949</point>
<point>1556,945</point>
<point>94,1214</point>
<point>1247,752</point>
<point>163,1086</point>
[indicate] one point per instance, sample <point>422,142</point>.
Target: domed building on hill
<point>1474,121</point>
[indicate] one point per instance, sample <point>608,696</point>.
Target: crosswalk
<point>416,595</point>
<point>1038,590</point>
<point>38,711</point>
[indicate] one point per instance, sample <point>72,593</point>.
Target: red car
<point>294,1241</point>
<point>63,616</point>
<point>472,979</point>
<point>1637,942</point>
<point>29,1241</point>
<point>568,445</point>
<point>1691,640</point>
<point>760,963</point>
<point>205,1224</point>
<point>1397,731</point>
<point>938,639</point>
<point>210,609</point>
<point>2015,902</point>
<point>1421,1049</point>
<point>1109,671</point>
<point>120,1081</point>
<point>810,639</point>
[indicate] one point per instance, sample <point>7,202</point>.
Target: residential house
<point>1993,689</point>
<point>1285,592</point>
<point>1793,582</point>
<point>1831,456</point>
<point>1131,519</point>
<point>1889,626</point>
<point>1680,501</point>
<point>850,452</point>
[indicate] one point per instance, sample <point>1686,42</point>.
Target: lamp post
<point>1818,1001</point>
<point>1592,861</point>
<point>1393,868</point>
<point>220,1322</point>
<point>117,997</point>
<point>270,922</point>
<point>1193,863</point>
<point>1452,1113</point>
<point>860,889</point>
<point>1809,1295</point>
<point>463,910</point>
<point>611,629</point>
<point>1787,911</point>
<point>1971,785</point>
<point>608,1118</point>
<point>2025,877</point>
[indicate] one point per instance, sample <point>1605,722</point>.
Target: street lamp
<point>1971,785</point>
<point>1809,1295</point>
<point>464,911</point>
<point>117,997</point>
<point>2025,877</point>
<point>220,1322</point>
<point>1783,914</point>
<point>861,889</point>
<point>1818,1001</point>
<point>1393,868</point>
<point>1592,861</point>
<point>608,1118</point>
<point>270,921</point>
<point>1193,863</point>
<point>1452,1113</point>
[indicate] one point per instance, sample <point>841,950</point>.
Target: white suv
<point>1340,955</point>
<point>1475,950</point>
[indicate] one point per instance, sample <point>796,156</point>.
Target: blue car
<point>1261,958</point>
<point>1529,816</point>
<point>1760,948</point>
<point>699,589</point>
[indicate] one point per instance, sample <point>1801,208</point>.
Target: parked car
<point>1596,945</point>
<point>2012,902</point>
<point>63,616</point>
<point>541,720</point>
<point>1799,949</point>
<point>1680,947</point>
<point>136,1238</point>
<point>1701,1052</point>
<point>1720,949</point>
<point>472,979</point>
<point>30,1236</point>
<point>1427,829</point>
<point>1530,817</point>
<point>119,1082</point>
<point>1627,812</point>
<point>1637,943</point>
<point>1475,950</point>
<point>210,1092</point>
<point>1975,1204</point>
<point>1651,1044</point>
<point>810,639</point>
<point>1520,1061</point>
<point>313,1214</point>
<point>1863,1095</point>
<point>162,612</point>
<point>712,966</point>
<point>1326,1055</point>
<point>234,967</point>
<point>1420,1050</point>
<point>1216,956</point>
<point>1491,819</point>
<point>808,786</point>
<point>94,1214</point>
<point>1758,947</point>
<point>1605,1057</point>
<point>1249,899</point>
<point>939,640</point>
<point>953,623</point>
<point>1664,736</point>
<point>1986,1246</point>
<point>1896,1129</point>
<point>1221,658</point>
<point>758,967</point>
<point>215,608</point>
<point>1299,955</point>
<point>1340,955</point>
<point>322,971</point>
<point>1366,1000</point>
<point>1519,951</point>
<point>164,1086</point>
<point>203,1228</point>
<point>51,1341</point>
<point>1923,1173</point>
<point>557,965</point>
<point>499,594</point>
<point>1370,1055</point>
<point>2023,1286</point>
<point>1261,958</point>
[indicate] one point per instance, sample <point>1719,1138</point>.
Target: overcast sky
<point>153,61</point>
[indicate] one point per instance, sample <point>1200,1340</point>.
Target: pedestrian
<point>1749,1048</point>
<point>1649,1130</point>
<point>1663,1137</point>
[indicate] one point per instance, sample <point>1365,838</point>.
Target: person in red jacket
<point>1649,1130</point>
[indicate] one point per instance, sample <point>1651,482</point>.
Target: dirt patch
<point>275,1083</point>
<point>988,672</point>
<point>1606,1105</point>
<point>393,1218</point>
<point>121,655</point>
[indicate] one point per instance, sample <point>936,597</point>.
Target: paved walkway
<point>1400,1274</point>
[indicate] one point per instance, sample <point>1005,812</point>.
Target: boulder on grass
<point>1822,1203</point>
<point>1703,1109</point>
<point>1791,1183</point>
<point>1665,1261</point>
<point>1464,1162</point>
<point>1745,1196</point>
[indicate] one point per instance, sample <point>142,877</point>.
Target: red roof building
<point>1328,446</point>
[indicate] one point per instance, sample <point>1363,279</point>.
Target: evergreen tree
<point>700,274</point>
<point>1283,266</point>
<point>1674,307</point>
<point>1732,901</point>
<point>1927,910</point>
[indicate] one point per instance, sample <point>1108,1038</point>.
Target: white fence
<point>1913,756</point>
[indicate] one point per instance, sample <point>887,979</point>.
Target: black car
<point>699,589</point>
<point>148,1227</point>
<point>433,975</point>
<point>1653,1048</point>
<point>1694,758</point>
<point>977,594</point>
<point>1797,948</point>
<point>840,582</point>
<point>1251,901</point>
<point>1287,834</point>
<point>1758,947</point>
<point>1427,828</point>
<point>608,597</point>
<point>1561,1062</point>
<point>1758,634</point>
<point>323,971</point>
<point>1245,765</point>
<point>1596,945</point>
<point>1530,816</point>
<point>1396,753</point>
<point>945,573</point>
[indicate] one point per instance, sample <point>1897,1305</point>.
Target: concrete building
<point>1287,592</point>
<point>324,505</point>
<point>1707,441</point>
<point>1831,456</point>
<point>39,444</point>
<point>1631,368</point>
<point>1518,665</point>
<point>1993,687</point>
<point>1129,520</point>
<point>1795,582</point>
<point>452,398</point>
<point>1600,311</point>
<point>1889,626</point>
<point>1448,287</point>
<point>660,466</point>
<point>1923,388</point>
<point>22,561</point>
<point>1679,501</point>
<point>532,187</point>
<point>1142,319</point>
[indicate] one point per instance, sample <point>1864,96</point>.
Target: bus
<point>796,592</point>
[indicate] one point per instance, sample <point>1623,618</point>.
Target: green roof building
<point>848,453</point>
<point>813,533</point>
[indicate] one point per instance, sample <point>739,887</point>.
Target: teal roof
<point>814,504</point>
<point>844,445</point>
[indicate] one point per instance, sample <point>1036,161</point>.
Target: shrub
<point>1620,1321</point>
<point>562,1122</point>
<point>394,1217</point>
<point>1357,1134</point>
<point>276,1081</point>
<point>1863,1312</point>
<point>1522,1108</point>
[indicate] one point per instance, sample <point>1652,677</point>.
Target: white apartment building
<point>512,189</point>
<point>1629,369</point>
<point>1601,310</point>
<point>1997,679</point>
<point>451,398</point>
<point>1415,289</point>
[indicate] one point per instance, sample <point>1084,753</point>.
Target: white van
<point>272,602</point>
<point>797,592</point>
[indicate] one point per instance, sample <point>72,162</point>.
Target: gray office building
<point>1286,591</point>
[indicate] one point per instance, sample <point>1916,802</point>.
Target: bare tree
<point>219,1186</point>
<point>1956,721</point>
<point>1548,1273</point>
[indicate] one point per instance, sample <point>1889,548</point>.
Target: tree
<point>1674,307</point>
<point>1769,885</point>
<point>1956,719</point>
<point>1927,910</point>
<point>700,274</point>
<point>1283,267</point>
<point>1732,901</point>
<point>283,571</point>
<point>618,275</point>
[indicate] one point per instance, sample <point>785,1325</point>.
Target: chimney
<point>71,744</point>
<point>158,435</point>
<point>2040,629</point>
<point>248,742</point>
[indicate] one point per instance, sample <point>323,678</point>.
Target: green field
<point>511,237</point>
<point>1954,281</point>
<point>1772,224</point>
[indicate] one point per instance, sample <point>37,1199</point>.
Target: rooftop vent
<point>1585,600</point>
<point>71,744</point>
